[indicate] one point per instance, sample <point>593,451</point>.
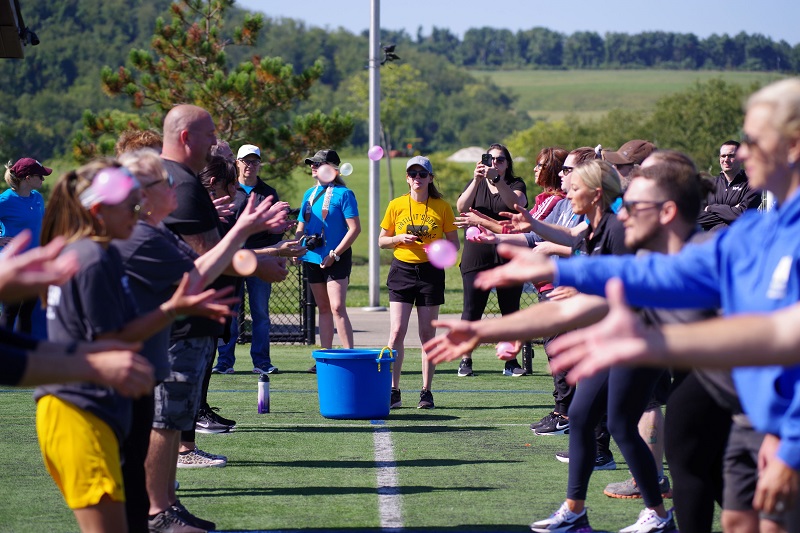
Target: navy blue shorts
<point>421,284</point>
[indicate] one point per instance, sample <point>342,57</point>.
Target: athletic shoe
<point>558,425</point>
<point>170,521</point>
<point>425,399</point>
<point>649,522</point>
<point>212,412</point>
<point>312,370</point>
<point>207,424</point>
<point>563,521</point>
<point>511,366</point>
<point>267,369</point>
<point>197,458</point>
<point>601,462</point>
<point>629,489</point>
<point>604,462</point>
<point>520,372</point>
<point>222,369</point>
<point>396,401</point>
<point>191,519</point>
<point>545,420</point>
<point>465,367</point>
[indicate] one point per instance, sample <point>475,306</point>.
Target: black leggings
<point>627,392</point>
<point>475,299</point>
<point>696,433</point>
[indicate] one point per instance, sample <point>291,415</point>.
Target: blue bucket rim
<point>355,353</point>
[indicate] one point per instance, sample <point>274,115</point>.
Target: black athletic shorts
<point>338,270</point>
<point>415,283</point>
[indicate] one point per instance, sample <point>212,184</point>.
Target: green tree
<point>251,102</point>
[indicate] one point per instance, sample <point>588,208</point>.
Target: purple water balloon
<point>442,253</point>
<point>505,350</point>
<point>472,233</point>
<point>375,153</point>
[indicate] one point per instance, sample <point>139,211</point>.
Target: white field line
<point>390,506</point>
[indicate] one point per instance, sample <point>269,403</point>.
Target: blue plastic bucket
<point>354,384</point>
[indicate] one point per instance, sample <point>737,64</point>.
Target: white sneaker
<point>563,521</point>
<point>649,521</point>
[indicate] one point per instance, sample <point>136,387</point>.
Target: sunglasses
<point>251,162</point>
<point>421,173</point>
<point>633,206</point>
<point>169,180</point>
<point>317,165</point>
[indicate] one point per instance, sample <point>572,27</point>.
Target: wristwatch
<point>333,254</point>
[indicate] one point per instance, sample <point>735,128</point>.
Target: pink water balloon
<point>442,253</point>
<point>375,153</point>
<point>245,262</point>
<point>505,350</point>
<point>326,174</point>
<point>472,233</point>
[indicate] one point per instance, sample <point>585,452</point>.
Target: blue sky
<point>773,18</point>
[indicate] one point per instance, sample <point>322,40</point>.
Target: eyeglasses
<point>565,170</point>
<point>169,180</point>
<point>251,162</point>
<point>633,206</point>
<point>421,173</point>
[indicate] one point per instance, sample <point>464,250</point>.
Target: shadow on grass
<point>320,491</point>
<point>487,528</point>
<point>365,429</point>
<point>368,464</point>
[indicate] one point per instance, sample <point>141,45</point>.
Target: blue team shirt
<point>20,212</point>
<point>343,206</point>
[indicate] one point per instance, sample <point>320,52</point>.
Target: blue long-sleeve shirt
<point>754,266</point>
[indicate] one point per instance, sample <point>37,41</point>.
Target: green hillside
<point>553,94</point>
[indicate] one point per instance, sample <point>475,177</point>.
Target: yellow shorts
<point>80,452</point>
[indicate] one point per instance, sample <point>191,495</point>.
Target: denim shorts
<point>177,398</point>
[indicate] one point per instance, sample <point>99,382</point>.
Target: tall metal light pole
<point>374,166</point>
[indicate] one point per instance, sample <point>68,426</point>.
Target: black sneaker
<point>562,457</point>
<point>558,425</point>
<point>465,367</point>
<point>604,462</point>
<point>214,415</point>
<point>312,370</point>
<point>191,519</point>
<point>545,420</point>
<point>425,399</point>
<point>206,423</point>
<point>520,372</point>
<point>170,521</point>
<point>510,367</point>
<point>396,401</point>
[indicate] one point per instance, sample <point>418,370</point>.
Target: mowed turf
<point>554,94</point>
<point>471,464</point>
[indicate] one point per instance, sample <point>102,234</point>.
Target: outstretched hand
<point>521,221</point>
<point>23,275</point>
<point>620,338</point>
<point>524,265</point>
<point>190,299</point>
<point>460,339</point>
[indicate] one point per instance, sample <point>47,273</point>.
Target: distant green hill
<point>554,94</point>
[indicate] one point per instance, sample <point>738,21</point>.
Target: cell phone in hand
<point>486,160</point>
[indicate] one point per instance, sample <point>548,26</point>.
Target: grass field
<point>471,464</point>
<point>553,94</point>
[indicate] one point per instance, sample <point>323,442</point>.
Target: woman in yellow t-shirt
<point>412,222</point>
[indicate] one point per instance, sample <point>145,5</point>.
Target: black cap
<point>325,156</point>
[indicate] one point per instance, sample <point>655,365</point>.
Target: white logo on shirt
<point>53,299</point>
<point>780,278</point>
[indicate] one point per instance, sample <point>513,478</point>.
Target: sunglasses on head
<point>169,179</point>
<point>421,173</point>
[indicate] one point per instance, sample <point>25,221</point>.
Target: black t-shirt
<point>155,260</point>
<point>261,192</point>
<point>95,301</point>
<point>608,238</point>
<point>477,256</point>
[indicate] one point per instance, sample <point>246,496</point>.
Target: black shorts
<point>415,283</point>
<point>661,391</point>
<point>338,270</point>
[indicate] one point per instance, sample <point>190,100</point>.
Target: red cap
<point>28,166</point>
